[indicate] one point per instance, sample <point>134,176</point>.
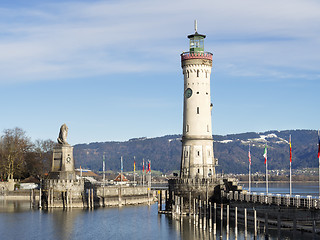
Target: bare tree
<point>14,147</point>
<point>41,158</point>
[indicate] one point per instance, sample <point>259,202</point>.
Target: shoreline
<point>282,181</point>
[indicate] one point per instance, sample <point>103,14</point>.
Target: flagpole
<point>249,170</point>
<point>319,159</point>
<point>104,169</point>
<point>267,176</point>
<point>290,167</point>
<point>143,172</point>
<point>121,169</point>
<point>266,163</point>
<point>134,169</point>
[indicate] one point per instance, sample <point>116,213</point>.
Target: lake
<point>19,221</point>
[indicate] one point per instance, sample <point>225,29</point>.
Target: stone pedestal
<point>62,163</point>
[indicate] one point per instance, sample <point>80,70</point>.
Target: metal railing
<point>195,55</point>
<point>275,199</point>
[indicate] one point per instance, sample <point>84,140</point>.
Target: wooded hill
<point>231,150</point>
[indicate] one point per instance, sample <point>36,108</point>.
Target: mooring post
<point>89,198</point>
<point>52,197</point>
<point>236,222</point>
<point>210,217</point>
<point>197,212</point>
<point>204,215</point>
<point>215,219</point>
<point>279,224</point>
<point>255,223</point>
<point>266,225</point>
<point>40,193</point>
<point>181,204</point>
<point>165,199</point>
<point>48,198</point>
<point>30,198</point>
<point>160,200</point>
<point>70,198</point>
<point>190,202</point>
<point>200,214</point>
<point>221,220</point>
<point>194,211</point>
<point>294,223</point>
<point>227,220</point>
<point>245,224</point>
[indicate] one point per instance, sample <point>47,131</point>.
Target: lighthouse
<point>197,158</point>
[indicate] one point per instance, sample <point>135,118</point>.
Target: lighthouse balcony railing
<point>196,55</point>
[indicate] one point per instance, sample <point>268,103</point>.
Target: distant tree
<point>14,147</point>
<point>40,160</point>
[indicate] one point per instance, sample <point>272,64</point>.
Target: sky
<point>111,70</point>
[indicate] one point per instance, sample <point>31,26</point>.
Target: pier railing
<point>274,199</point>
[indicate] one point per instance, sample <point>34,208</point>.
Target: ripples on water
<point>18,221</point>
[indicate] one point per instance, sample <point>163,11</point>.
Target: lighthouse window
<point>188,74</point>
<point>197,92</point>
<point>198,153</point>
<point>187,128</point>
<point>208,130</point>
<point>198,110</point>
<point>206,74</point>
<point>197,73</point>
<point>198,170</point>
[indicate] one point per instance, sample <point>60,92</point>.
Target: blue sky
<point>111,70</point>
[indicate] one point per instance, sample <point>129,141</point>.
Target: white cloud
<point>68,40</point>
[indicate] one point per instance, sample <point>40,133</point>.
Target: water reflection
<point>18,221</point>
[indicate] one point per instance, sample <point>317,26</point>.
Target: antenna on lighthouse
<point>195,26</point>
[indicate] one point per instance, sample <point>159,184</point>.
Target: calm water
<point>18,221</point>
<point>300,188</point>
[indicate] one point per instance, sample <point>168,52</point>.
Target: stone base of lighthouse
<point>197,159</point>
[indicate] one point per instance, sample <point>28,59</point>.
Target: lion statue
<point>62,139</point>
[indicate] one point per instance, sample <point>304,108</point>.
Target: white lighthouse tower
<point>197,160</point>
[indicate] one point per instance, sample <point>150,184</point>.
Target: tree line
<point>21,158</point>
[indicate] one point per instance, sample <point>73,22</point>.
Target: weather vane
<point>195,25</point>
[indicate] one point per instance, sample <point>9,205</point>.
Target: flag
<point>134,166</point>
<point>249,156</point>
<point>290,149</point>
<point>149,168</point>
<point>265,155</point>
<point>318,145</point>
<point>143,166</point>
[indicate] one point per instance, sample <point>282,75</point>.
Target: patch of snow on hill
<point>175,139</point>
<point>226,141</point>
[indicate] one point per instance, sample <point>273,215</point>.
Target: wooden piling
<point>214,219</point>
<point>221,220</point>
<point>160,200</point>
<point>70,198</point>
<point>210,217</point>
<point>204,215</point>
<point>40,202</point>
<point>227,220</point>
<point>92,199</point>
<point>236,222</point>
<point>89,198</point>
<point>266,225</point>
<point>181,206</point>
<point>200,214</point>
<point>279,224</point>
<point>245,224</point>
<point>197,212</point>
<point>255,223</point>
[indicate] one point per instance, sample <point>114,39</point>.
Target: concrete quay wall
<point>122,195</point>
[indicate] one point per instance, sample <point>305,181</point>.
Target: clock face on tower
<point>188,92</point>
